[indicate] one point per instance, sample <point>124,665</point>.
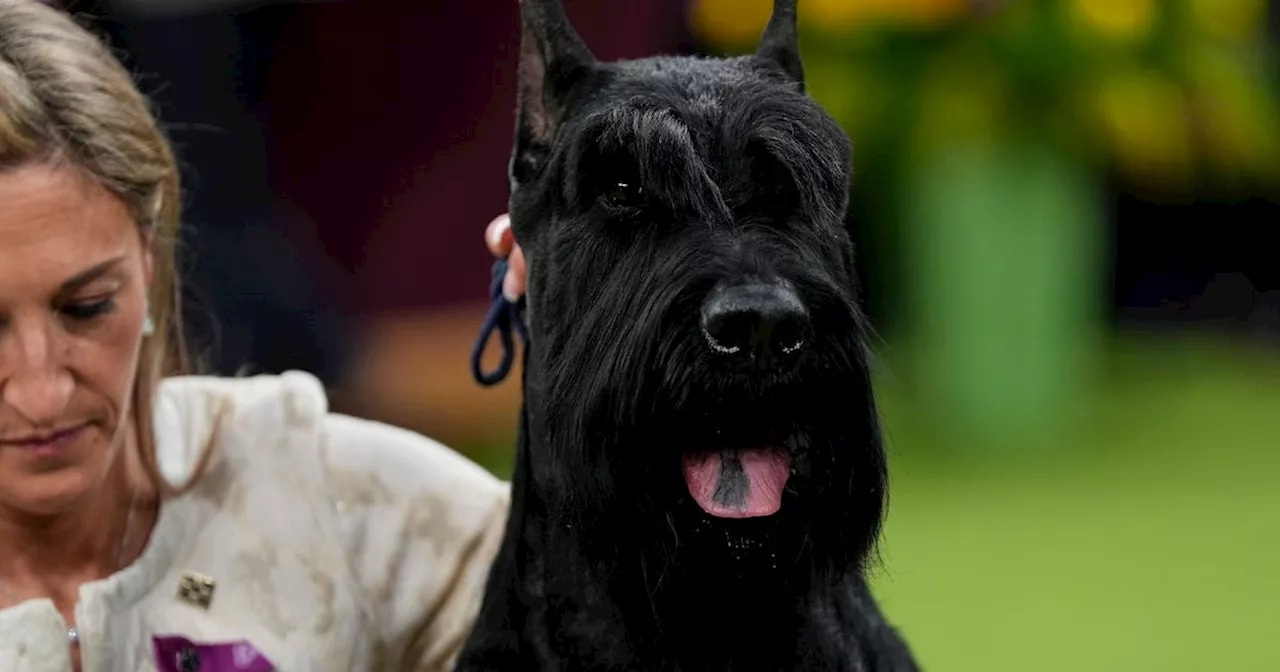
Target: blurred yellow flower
<point>739,23</point>
<point>1237,115</point>
<point>729,23</point>
<point>835,15</point>
<point>1120,20</point>
<point>838,15</point>
<point>927,12</point>
<point>1143,118</point>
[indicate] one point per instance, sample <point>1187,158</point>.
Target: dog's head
<point>697,354</point>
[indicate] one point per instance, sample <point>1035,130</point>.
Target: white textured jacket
<point>334,544</point>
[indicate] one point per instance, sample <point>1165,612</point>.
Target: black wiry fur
<point>608,564</point>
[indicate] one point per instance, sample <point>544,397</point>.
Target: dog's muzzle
<point>755,322</point>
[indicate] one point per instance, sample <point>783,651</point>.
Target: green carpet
<point>1152,544</point>
<point>1146,538</point>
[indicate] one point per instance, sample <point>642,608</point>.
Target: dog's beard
<point>642,430</point>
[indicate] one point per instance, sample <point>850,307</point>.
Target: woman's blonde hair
<point>65,98</point>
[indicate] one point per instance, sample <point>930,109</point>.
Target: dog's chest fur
<point>694,615</point>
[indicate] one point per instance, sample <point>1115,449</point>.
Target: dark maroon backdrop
<point>393,121</point>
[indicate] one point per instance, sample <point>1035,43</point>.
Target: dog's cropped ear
<point>553,60</point>
<point>780,45</point>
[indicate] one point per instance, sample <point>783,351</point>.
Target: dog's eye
<point>625,195</point>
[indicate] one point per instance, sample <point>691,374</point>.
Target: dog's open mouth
<point>738,483</point>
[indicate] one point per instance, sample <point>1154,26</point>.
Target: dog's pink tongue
<point>738,483</point>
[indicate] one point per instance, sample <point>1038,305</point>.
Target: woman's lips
<point>46,444</point>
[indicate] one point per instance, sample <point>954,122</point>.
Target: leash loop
<point>504,317</point>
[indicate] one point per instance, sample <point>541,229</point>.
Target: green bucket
<point>1003,253</point>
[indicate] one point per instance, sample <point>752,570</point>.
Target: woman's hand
<point>502,243</point>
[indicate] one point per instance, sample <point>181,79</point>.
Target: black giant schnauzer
<point>700,478</point>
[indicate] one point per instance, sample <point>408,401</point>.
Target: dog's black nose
<point>754,321</point>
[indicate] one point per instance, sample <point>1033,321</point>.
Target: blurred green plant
<point>1171,95</point>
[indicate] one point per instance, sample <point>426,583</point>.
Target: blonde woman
<point>155,520</point>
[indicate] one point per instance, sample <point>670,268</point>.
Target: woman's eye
<point>626,195</point>
<point>87,310</point>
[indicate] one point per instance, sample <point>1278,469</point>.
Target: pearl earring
<point>148,324</point>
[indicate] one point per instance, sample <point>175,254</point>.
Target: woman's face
<point>74,272</point>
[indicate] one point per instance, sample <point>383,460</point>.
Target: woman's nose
<point>34,381</point>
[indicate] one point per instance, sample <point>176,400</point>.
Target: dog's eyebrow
<point>649,130</point>
<point>665,154</point>
<point>814,164</point>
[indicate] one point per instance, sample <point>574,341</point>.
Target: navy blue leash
<point>504,316</point>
